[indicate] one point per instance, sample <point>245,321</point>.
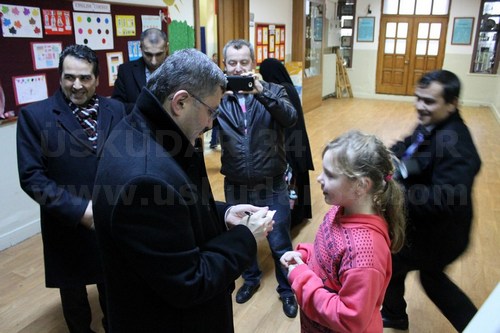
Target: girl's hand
<point>291,258</point>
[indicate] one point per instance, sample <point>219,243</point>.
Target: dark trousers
<point>214,139</point>
<point>451,301</point>
<point>274,194</point>
<point>76,308</point>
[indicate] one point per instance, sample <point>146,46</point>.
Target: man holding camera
<point>252,123</point>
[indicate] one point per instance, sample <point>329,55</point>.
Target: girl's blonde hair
<point>361,155</point>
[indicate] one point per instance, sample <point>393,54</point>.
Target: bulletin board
<point>269,41</point>
<point>33,55</point>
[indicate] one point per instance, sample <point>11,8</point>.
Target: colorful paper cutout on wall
<point>57,22</point>
<point>94,30</point>
<point>150,21</point>
<point>46,55</point>
<point>294,68</point>
<point>114,59</point>
<point>259,54</point>
<point>134,50</point>
<point>270,41</point>
<point>125,25</point>
<point>21,21</point>
<point>181,36</point>
<point>31,88</point>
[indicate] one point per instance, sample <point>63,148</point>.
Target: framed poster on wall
<point>269,41</point>
<point>114,59</point>
<point>462,30</point>
<point>366,29</point>
<point>45,55</point>
<point>29,88</point>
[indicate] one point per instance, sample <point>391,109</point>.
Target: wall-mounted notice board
<point>48,25</point>
<point>269,41</point>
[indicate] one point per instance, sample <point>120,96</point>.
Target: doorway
<point>206,27</point>
<point>408,47</point>
<point>221,21</point>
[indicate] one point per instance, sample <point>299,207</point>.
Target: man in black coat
<point>437,166</point>
<point>171,254</point>
<point>133,75</point>
<point>58,143</point>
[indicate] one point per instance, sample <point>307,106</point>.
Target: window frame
<point>479,56</point>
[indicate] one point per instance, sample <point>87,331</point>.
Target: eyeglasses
<point>213,112</point>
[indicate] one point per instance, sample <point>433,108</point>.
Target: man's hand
<point>236,213</point>
<point>260,223</point>
<point>258,219</point>
<point>257,86</point>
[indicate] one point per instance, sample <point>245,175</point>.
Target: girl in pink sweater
<point>341,278</point>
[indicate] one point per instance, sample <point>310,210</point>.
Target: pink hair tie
<point>388,177</point>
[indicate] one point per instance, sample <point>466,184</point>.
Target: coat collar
<point>67,120</point>
<point>150,118</point>
<point>163,128</point>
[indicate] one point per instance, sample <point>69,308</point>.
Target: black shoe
<point>246,292</point>
<point>289,306</point>
<point>398,324</point>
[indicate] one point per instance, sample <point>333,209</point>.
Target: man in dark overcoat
<point>437,167</point>
<point>58,145</point>
<point>171,254</point>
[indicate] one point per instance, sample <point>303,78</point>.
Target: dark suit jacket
<point>57,167</point>
<point>128,85</point>
<point>169,262</point>
<point>439,195</point>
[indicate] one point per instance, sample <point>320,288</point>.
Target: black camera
<point>237,83</point>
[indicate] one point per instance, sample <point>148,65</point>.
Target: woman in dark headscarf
<point>298,152</point>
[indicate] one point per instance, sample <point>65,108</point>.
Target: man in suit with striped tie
<point>59,141</point>
<point>437,166</point>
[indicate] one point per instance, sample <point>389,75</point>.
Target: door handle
<point>407,62</point>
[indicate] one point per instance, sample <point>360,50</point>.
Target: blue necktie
<point>413,147</point>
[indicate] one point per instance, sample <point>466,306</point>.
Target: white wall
<point>277,12</point>
<point>19,215</point>
<point>478,89</point>
<point>496,103</point>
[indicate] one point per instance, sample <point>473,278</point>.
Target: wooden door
<point>408,47</point>
<point>233,22</point>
